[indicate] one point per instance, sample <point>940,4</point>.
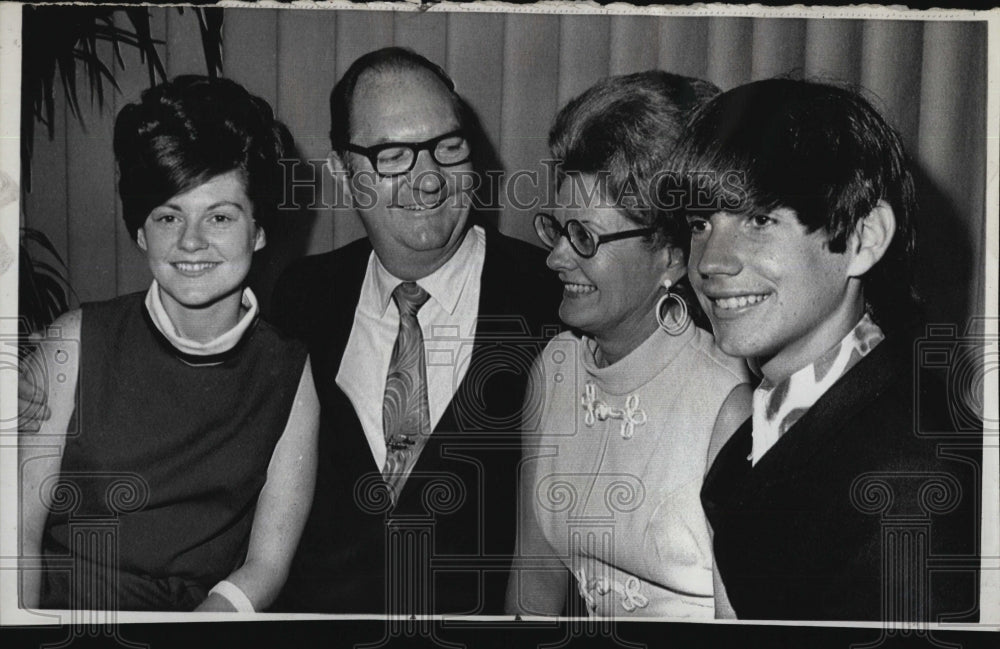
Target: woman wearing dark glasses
<point>633,398</point>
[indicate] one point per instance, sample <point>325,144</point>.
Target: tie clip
<point>400,442</point>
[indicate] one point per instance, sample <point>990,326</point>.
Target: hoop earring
<point>677,325</point>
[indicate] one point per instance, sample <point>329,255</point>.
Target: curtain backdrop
<point>516,70</point>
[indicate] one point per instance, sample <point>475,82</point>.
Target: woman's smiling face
<point>610,296</point>
<point>199,244</point>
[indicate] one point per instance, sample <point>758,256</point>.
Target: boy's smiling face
<point>773,291</point>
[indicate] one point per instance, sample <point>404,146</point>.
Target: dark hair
<point>818,149</point>
<point>623,129</point>
<point>186,131</point>
<point>387,59</point>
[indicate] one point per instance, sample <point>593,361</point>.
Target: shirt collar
<point>219,345</point>
<point>862,337</point>
<point>444,285</point>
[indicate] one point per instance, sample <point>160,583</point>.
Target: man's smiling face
<point>421,213</point>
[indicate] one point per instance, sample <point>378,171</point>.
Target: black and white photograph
<point>475,325</point>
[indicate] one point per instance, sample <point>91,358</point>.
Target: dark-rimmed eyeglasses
<point>395,158</point>
<point>583,241</point>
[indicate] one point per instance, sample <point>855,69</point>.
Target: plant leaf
<point>210,24</point>
<point>50,270</point>
<point>96,67</point>
<point>139,17</point>
<point>39,237</point>
<point>56,38</point>
<point>53,297</point>
<point>30,302</point>
<point>67,73</point>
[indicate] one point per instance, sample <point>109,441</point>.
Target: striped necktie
<point>406,420</point>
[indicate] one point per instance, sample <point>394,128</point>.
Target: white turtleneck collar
<point>218,345</point>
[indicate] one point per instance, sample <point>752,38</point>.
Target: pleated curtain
<point>516,70</point>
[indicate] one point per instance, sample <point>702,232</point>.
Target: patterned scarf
<point>776,408</point>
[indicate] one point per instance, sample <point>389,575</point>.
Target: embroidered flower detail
<point>596,410</point>
<point>584,588</point>
<point>589,589</point>
<point>631,597</point>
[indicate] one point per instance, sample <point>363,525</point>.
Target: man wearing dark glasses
<point>421,338</point>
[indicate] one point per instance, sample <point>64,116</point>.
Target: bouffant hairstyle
<point>184,132</point>
<point>623,130</point>
<point>820,150</point>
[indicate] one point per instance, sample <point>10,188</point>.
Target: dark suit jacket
<point>447,544</point>
<point>863,510</point>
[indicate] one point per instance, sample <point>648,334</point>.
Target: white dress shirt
<point>448,324</point>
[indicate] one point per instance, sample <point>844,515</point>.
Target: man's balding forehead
<point>397,76</point>
<point>384,64</point>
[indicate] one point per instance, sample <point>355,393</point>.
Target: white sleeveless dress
<point>616,466</point>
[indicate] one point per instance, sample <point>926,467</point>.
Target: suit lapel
<point>340,295</point>
<point>344,294</point>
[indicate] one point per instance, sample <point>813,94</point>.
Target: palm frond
<point>43,287</point>
<point>139,17</point>
<point>39,237</point>
<point>58,39</point>
<point>210,25</point>
<point>45,267</point>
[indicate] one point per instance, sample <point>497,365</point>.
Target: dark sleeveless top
<point>163,464</point>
